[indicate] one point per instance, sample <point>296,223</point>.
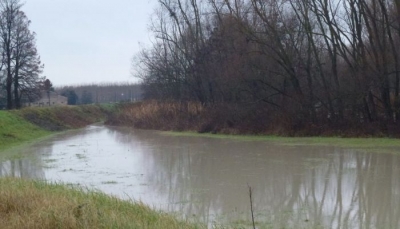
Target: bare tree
<point>8,13</point>
<point>27,65</point>
<point>326,63</point>
<point>19,55</point>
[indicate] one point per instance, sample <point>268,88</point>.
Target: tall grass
<point>158,115</point>
<point>29,204</point>
<point>193,116</point>
<point>232,119</point>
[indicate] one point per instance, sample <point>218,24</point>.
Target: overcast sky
<point>89,41</point>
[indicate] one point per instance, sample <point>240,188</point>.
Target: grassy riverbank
<point>14,130</point>
<point>63,118</point>
<point>35,204</point>
<point>359,143</point>
<point>21,126</point>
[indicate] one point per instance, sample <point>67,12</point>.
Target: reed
<point>190,116</point>
<point>158,115</point>
<point>234,119</point>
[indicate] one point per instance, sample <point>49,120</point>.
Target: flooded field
<point>207,179</point>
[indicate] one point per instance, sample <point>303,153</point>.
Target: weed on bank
<point>30,204</point>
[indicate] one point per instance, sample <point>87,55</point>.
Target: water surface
<point>207,179</point>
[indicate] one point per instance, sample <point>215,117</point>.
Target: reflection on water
<point>207,179</point>
<point>21,168</point>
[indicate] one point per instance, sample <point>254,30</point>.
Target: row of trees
<point>20,65</point>
<point>101,93</point>
<point>313,61</point>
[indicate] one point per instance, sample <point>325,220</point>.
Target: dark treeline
<point>101,93</point>
<point>20,65</point>
<point>300,63</point>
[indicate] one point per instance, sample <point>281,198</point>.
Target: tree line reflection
<point>24,168</point>
<point>293,185</point>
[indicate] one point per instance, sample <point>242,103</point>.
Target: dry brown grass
<point>237,119</point>
<point>159,115</point>
<point>190,116</point>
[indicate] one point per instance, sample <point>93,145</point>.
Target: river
<point>207,179</point>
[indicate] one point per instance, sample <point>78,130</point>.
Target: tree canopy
<point>299,62</point>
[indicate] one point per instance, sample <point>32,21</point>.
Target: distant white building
<point>49,100</point>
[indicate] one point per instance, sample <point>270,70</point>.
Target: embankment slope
<point>20,126</point>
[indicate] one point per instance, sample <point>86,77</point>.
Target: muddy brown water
<point>206,179</point>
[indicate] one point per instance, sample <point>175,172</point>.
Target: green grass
<point>361,143</point>
<point>25,125</point>
<point>29,204</point>
<point>14,130</point>
<point>64,117</point>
